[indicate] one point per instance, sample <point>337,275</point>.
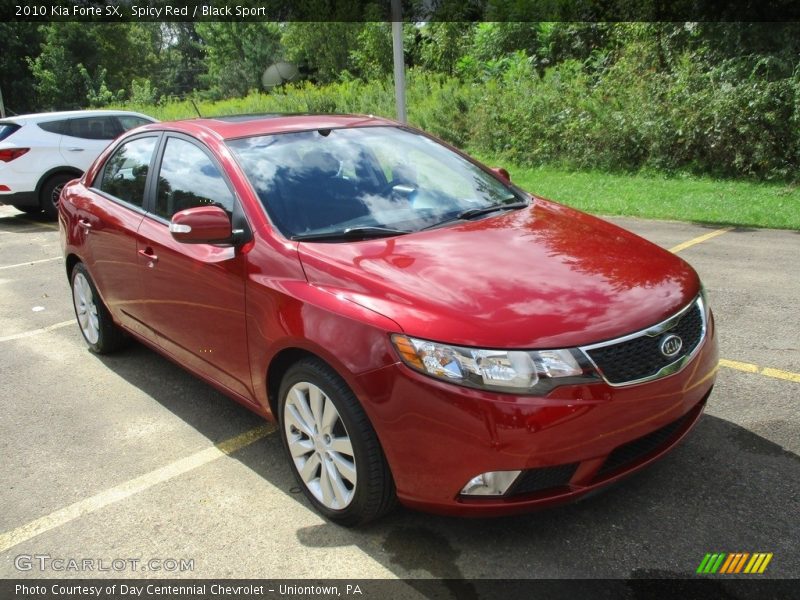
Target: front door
<point>196,292</point>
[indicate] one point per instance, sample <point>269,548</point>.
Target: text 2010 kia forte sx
<point>420,328</point>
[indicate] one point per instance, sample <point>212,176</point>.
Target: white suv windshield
<point>378,180</point>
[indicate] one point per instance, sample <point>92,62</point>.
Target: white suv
<point>40,153</point>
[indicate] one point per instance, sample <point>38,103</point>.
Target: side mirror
<point>201,225</point>
<point>501,172</point>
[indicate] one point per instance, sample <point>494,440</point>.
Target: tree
<point>442,44</point>
<point>237,54</point>
<point>183,59</point>
<point>17,40</point>
<point>322,50</point>
<point>78,60</point>
<point>372,56</point>
<point>495,40</point>
<point>563,41</point>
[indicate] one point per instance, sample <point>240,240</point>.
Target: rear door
<point>110,220</point>
<point>195,292</point>
<point>86,137</point>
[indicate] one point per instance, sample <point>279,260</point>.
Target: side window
<point>125,173</point>
<point>94,128</point>
<point>57,127</point>
<point>129,121</point>
<point>188,178</point>
<point>112,127</point>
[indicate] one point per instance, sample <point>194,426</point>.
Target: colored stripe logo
<point>734,562</point>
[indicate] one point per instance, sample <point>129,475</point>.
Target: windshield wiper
<point>351,233</point>
<point>477,212</point>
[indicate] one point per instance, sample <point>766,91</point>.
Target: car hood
<point>541,277</point>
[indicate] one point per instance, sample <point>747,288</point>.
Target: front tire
<point>95,322</point>
<point>332,448</point>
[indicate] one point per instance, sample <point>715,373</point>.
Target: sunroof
<point>249,117</point>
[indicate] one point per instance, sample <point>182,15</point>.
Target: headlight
<point>518,371</point>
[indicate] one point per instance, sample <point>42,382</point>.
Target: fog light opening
<point>493,483</point>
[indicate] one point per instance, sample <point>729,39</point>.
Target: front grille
<point>641,447</point>
<point>536,480</point>
<point>641,357</point>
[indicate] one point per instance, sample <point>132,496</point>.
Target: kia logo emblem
<point>671,345</point>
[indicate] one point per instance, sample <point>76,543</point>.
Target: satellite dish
<point>278,74</point>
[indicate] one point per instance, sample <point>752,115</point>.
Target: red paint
<point>206,225</point>
<point>542,277</point>
<point>501,172</point>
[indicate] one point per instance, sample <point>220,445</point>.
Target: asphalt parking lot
<point>128,456</point>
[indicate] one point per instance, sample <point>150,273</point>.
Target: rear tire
<point>332,448</point>
<point>95,322</point>
<point>51,192</point>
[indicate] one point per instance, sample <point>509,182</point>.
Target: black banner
<point>737,588</point>
<point>119,11</point>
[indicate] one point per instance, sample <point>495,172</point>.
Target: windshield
<point>375,180</point>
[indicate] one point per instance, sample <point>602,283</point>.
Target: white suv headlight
<point>519,371</point>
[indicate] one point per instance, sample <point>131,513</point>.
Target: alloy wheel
<point>55,195</point>
<point>85,308</point>
<point>320,445</point>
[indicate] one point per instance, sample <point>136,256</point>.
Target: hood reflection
<point>538,277</point>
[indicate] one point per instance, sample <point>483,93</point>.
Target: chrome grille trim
<point>654,331</point>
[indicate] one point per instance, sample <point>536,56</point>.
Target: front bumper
<point>437,436</point>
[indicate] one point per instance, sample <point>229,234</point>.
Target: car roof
<point>238,126</point>
<point>66,114</point>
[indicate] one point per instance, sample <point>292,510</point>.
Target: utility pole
<point>399,61</point>
<point>2,106</point>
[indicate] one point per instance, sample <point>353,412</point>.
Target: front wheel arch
<point>278,367</point>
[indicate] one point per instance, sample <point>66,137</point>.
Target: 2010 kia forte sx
<point>420,328</point>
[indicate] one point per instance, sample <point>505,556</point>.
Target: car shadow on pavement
<point>22,222</point>
<point>724,489</point>
<point>211,413</point>
<point>717,224</point>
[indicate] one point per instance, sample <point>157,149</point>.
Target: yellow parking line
<point>129,488</point>
<point>24,334</point>
<point>699,239</point>
<point>31,262</point>
<point>734,364</point>
<point>766,371</point>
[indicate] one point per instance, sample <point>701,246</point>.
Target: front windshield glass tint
<point>334,180</point>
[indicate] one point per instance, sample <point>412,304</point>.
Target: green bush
<point>727,120</point>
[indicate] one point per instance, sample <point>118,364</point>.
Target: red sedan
<point>420,328</point>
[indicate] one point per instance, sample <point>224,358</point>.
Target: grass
<point>657,196</point>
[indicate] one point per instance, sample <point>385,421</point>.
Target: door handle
<point>76,149</point>
<point>148,254</point>
<point>85,224</point>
